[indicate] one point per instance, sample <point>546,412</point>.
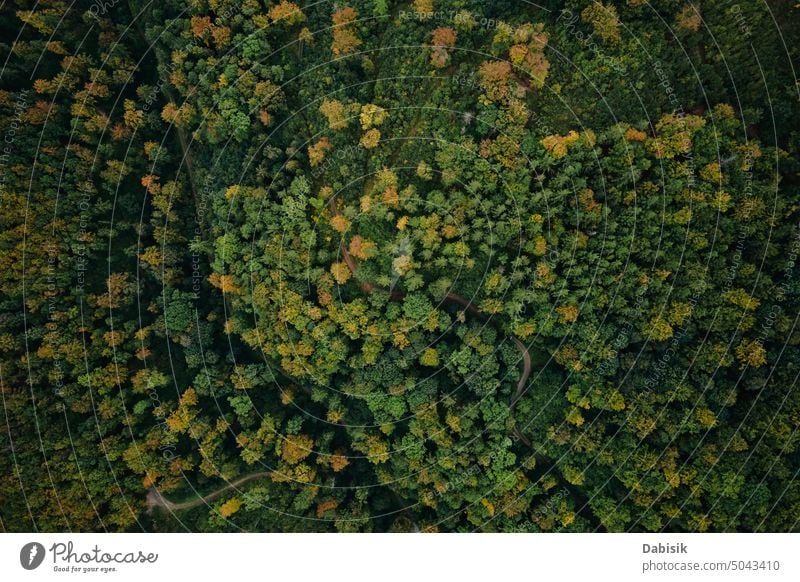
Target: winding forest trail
<point>156,499</point>
<point>526,372</point>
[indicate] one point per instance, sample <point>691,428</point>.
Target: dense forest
<point>384,265</point>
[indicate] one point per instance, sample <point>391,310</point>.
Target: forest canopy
<point>381,265</point>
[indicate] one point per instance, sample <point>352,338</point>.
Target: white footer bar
<point>401,557</point>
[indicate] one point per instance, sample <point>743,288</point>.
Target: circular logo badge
<point>31,555</point>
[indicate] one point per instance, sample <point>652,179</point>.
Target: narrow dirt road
<point>523,381</point>
<point>156,499</point>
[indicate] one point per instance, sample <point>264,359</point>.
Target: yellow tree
<point>336,114</point>
<point>345,38</point>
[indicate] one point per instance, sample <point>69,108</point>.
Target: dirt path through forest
<point>156,499</point>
